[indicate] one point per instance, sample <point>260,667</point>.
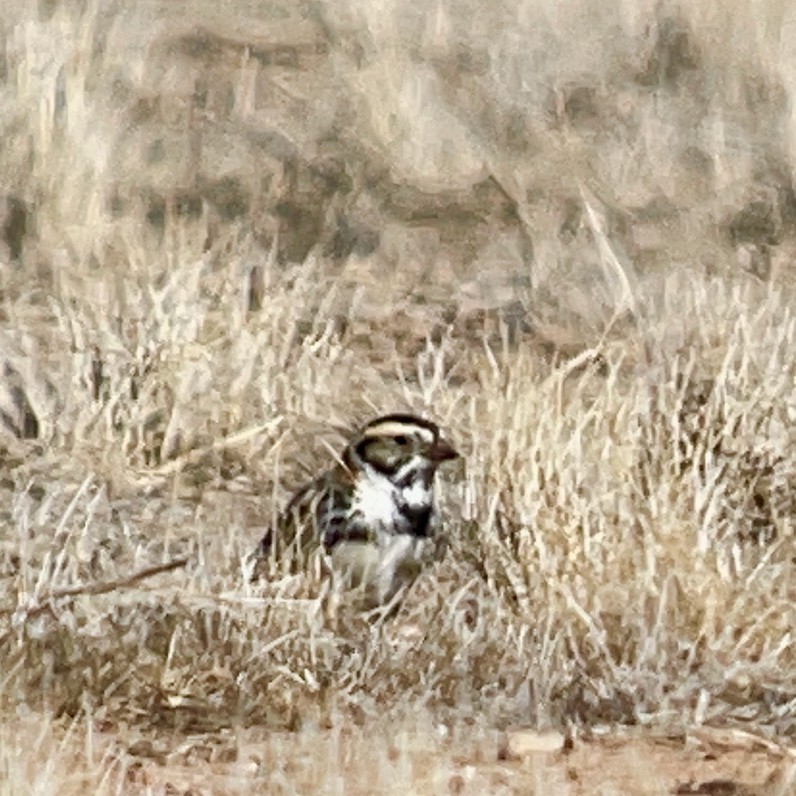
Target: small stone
<point>524,742</point>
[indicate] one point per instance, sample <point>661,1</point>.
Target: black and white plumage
<point>373,514</point>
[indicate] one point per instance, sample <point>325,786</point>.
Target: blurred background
<point>468,154</point>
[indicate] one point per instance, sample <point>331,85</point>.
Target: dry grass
<point>563,234</point>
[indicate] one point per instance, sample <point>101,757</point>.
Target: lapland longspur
<point>372,516</point>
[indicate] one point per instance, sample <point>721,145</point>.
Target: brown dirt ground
<point>420,763</point>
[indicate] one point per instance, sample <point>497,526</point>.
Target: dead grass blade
<point>46,602</point>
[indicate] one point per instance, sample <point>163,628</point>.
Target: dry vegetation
<point>564,232</point>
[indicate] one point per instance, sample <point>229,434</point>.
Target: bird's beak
<point>442,451</point>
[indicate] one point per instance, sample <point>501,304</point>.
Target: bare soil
<point>703,763</point>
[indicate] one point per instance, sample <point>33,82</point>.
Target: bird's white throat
<point>380,500</point>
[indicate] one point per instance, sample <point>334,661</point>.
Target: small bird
<point>373,515</point>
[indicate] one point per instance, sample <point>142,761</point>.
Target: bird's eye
<point>401,440</point>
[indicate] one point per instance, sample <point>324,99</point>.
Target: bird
<point>372,517</point>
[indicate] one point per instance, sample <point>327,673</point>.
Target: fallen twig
<point>45,602</point>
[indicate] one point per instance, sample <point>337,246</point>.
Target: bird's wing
<point>296,533</point>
